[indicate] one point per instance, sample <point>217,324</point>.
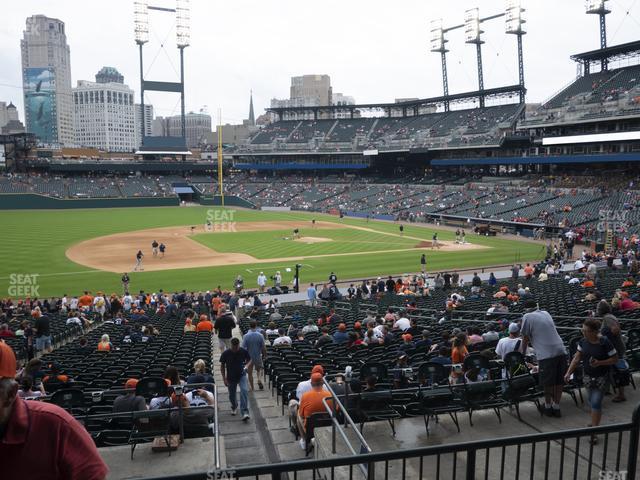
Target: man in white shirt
<point>402,323</point>
<point>262,281</point>
<point>73,305</point>
<point>510,343</point>
<point>282,338</point>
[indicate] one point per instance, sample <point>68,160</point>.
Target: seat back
<point>68,398</point>
<point>431,373</point>
<point>378,370</point>
<point>150,387</point>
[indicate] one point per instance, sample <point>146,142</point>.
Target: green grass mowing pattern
<point>34,242</point>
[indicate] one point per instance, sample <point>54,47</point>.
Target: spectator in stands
<point>200,374</point>
<point>475,336</point>
<point>172,376</point>
<point>324,339</point>
<point>490,335</point>
<point>225,323</point>
<point>233,366</point>
<point>312,295</point>
<point>612,331</point>
<point>26,388</point>
<point>310,327</point>
<point>204,324</point>
<point>189,326</point>
<point>43,331</point>
<point>597,354</point>
<point>282,338</point>
<point>539,330</point>
<point>63,448</point>
<point>341,335</point>
<point>458,353</point>
<point>253,342</point>
<point>400,371</point>
<point>5,332</point>
<point>105,344</point>
<point>443,357</point>
<point>55,379</point>
<point>129,401</point>
<point>310,403</point>
<point>402,323</point>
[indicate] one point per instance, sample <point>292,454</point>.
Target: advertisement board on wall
<point>40,103</point>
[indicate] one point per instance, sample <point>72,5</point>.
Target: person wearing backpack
<point>597,355</point>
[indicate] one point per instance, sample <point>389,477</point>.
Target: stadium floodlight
<point>183,23</point>
<point>472,26</point>
<point>141,21</point>
<point>514,18</point>
<point>437,36</point>
<point>596,6</point>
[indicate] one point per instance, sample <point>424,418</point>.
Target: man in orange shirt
<point>204,324</point>
<point>310,403</point>
<point>85,300</point>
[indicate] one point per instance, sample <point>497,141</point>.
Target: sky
<point>373,50</point>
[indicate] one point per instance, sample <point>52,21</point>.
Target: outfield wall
<point>229,201</point>
<point>31,201</point>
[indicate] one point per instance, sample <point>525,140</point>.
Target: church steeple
<point>252,118</point>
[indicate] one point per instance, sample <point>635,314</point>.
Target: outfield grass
<point>34,242</point>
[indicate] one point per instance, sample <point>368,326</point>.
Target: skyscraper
<point>46,81</point>
<point>105,113</point>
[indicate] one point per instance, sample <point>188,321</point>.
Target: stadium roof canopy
<point>407,106</point>
<point>616,52</point>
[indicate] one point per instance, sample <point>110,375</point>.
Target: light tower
<point>472,35</point>
<point>438,45</point>
<point>514,22</point>
<point>599,7</point>
<point>183,40</point>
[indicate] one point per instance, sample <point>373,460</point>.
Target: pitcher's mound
<point>310,240</point>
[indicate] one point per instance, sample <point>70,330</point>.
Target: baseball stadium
<point>443,286</point>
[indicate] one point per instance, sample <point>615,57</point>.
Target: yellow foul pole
<point>220,157</point>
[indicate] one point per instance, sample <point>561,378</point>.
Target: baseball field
<point>53,252</point>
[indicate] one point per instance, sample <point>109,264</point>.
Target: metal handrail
<point>216,430</point>
<point>347,418</point>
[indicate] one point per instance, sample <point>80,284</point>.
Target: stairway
<point>265,438</point>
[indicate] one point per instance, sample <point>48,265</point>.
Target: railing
<point>348,422</point>
<point>561,454</point>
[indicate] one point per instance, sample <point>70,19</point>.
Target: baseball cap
<point>316,378</point>
<point>514,328</point>
<point>7,361</point>
<point>317,369</point>
<point>131,383</point>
